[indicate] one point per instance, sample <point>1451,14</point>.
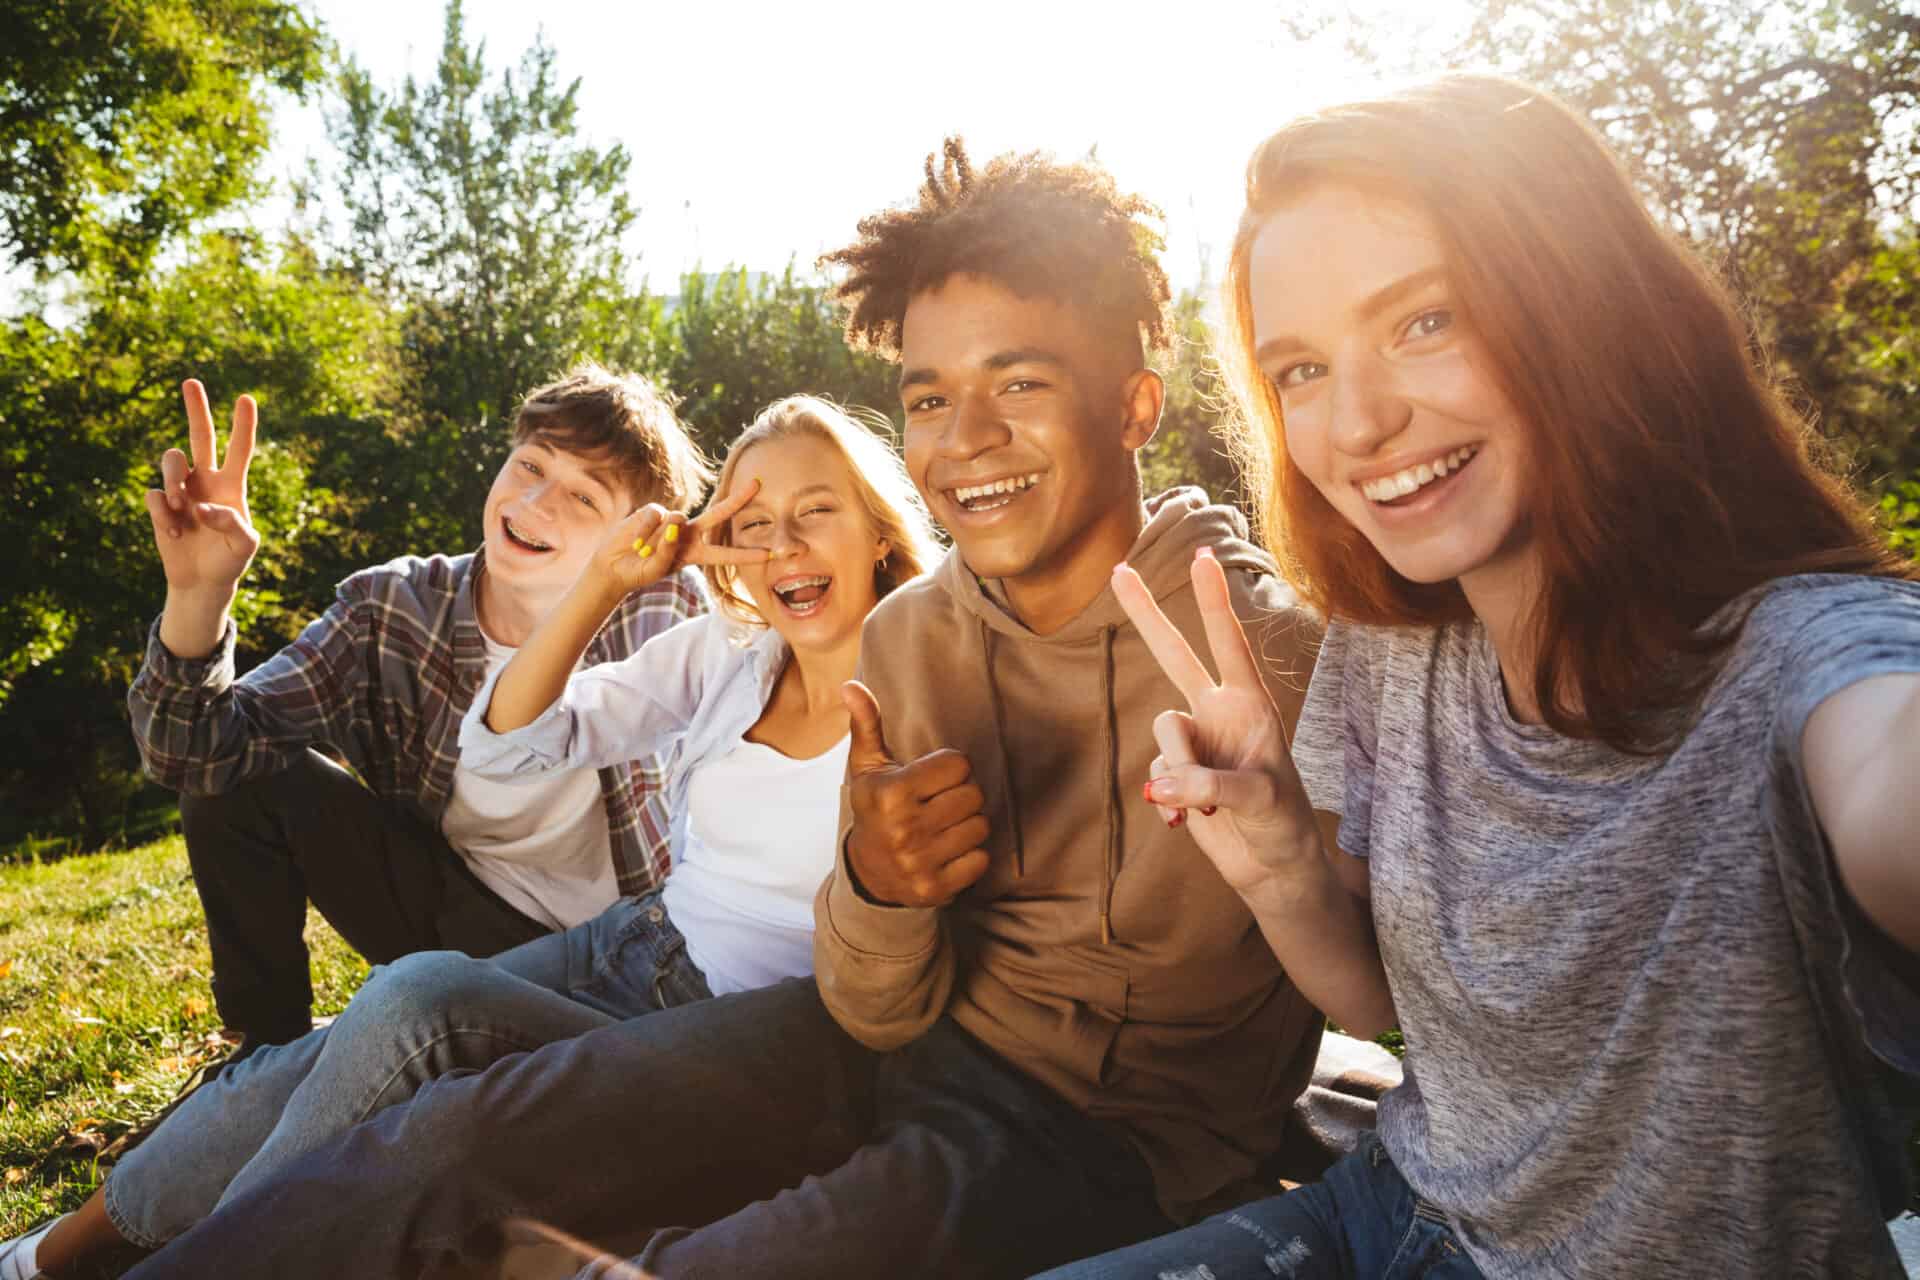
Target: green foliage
<point>125,122</point>
<point>1783,139</point>
<point>732,345</point>
<point>85,413</point>
<point>1900,510</point>
<point>494,234</point>
<point>1189,447</point>
<point>105,1010</point>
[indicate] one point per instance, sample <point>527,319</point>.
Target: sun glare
<point>756,140</point>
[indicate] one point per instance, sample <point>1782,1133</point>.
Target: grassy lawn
<point>105,1010</point>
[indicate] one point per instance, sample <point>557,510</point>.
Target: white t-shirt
<point>760,837</point>
<point>541,844</point>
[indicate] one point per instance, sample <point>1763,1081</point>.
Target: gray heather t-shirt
<point>1648,1034</point>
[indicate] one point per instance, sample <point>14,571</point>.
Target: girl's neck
<point>1502,595</point>
<point>818,674</point>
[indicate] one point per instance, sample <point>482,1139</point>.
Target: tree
<point>85,413</point>
<point>734,344</point>
<point>124,123</point>
<point>477,214</point>
<point>1785,140</point>
<point>1189,447</point>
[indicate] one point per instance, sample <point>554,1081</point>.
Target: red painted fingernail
<point>1209,811</point>
<point>1179,818</point>
<point>1146,791</point>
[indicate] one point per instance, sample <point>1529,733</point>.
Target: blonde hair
<point>892,505</point>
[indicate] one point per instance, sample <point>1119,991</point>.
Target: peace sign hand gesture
<point>1223,767</point>
<point>650,543</point>
<point>200,519</point>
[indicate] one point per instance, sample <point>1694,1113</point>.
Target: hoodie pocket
<point>1068,1008</point>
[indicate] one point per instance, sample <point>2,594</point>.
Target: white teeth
<point>786,589</point>
<point>522,536</point>
<point>1011,484</point>
<point>1402,483</point>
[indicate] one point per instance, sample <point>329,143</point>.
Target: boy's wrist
<point>194,619</point>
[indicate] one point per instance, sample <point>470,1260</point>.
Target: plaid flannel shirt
<point>383,677</point>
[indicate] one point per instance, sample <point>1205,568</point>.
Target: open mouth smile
<point>1403,487</point>
<point>803,595</point>
<point>993,494</point>
<point>522,539</point>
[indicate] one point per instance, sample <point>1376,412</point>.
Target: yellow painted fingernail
<point>644,550</point>
<point>672,534</point>
<point>640,546</point>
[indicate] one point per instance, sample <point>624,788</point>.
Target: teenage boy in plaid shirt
<point>414,853</point>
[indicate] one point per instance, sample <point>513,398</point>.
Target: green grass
<point>105,1010</point>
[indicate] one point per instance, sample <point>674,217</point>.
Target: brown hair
<point>1669,474</point>
<point>626,419</point>
<point>892,505</point>
<point>1039,228</point>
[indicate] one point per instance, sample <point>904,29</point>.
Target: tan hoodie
<point>1101,953</point>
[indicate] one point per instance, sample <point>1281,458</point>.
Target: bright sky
<point>764,131</point>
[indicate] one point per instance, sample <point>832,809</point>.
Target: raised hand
<point>200,519</point>
<point>1223,767</point>
<point>917,827</point>
<point>653,542</point>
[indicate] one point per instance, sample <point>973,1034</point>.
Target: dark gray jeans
<point>383,878</point>
<point>783,1146</point>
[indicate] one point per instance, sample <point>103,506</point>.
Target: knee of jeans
<point>423,984</point>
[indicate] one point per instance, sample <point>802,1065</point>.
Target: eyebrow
<point>1370,307</point>
<point>602,476</point>
<point>798,494</point>
<point>994,363</point>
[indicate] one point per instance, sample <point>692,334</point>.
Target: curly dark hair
<point>1028,222</point>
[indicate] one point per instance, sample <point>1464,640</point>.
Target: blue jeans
<point>1360,1222</point>
<point>424,1016</point>
<point>786,1148</point>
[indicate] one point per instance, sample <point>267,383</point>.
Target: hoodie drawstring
<point>1000,736</point>
<point>1110,722</point>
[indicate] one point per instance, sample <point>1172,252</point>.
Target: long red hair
<point>1669,472</point>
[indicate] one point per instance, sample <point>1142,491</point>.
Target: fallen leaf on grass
<point>195,1007</point>
<point>6,967</point>
<point>16,1176</point>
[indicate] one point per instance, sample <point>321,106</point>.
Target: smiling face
<point>1022,422</point>
<point>817,585</point>
<point>546,512</point>
<point>1391,408</point>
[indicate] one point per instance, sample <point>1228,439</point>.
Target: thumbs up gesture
<point>917,827</point>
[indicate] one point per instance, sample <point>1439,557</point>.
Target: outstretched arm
<point>1861,753</point>
<point>635,554</point>
<point>1224,764</point>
